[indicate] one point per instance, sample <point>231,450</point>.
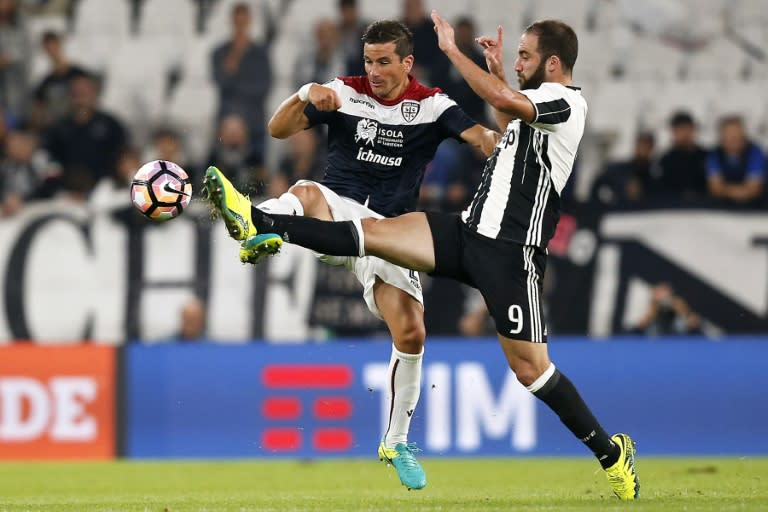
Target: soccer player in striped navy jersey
<point>498,245</point>
<point>383,130</point>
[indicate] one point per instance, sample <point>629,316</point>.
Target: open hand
<point>445,36</point>
<point>493,52</point>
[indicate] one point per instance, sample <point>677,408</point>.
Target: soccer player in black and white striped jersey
<point>498,245</point>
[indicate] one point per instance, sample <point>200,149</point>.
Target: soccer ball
<point>161,190</point>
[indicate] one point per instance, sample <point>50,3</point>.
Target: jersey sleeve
<point>315,116</point>
<point>453,121</point>
<point>550,104</point>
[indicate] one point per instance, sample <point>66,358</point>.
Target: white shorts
<point>367,268</point>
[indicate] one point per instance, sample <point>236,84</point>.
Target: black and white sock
<point>558,392</point>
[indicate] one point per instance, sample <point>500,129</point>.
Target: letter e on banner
<point>57,402</point>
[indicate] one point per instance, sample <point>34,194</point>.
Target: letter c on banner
<point>16,271</point>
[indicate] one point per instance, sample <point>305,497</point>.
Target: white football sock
<point>286,204</point>
<point>403,388</point>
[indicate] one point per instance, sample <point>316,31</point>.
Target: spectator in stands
<point>109,193</point>
<point>476,320</point>
<point>683,166</point>
<point>47,7</point>
<point>233,154</point>
<point>451,81</point>
<point>51,97</point>
<point>15,54</point>
<point>87,141</point>
<point>630,180</point>
<point>243,73</point>
<point>325,60</point>
<point>736,168</point>
<point>451,178</point>
<point>667,314</point>
<point>429,61</point>
<point>305,159</point>
<point>167,145</point>
<point>192,320</point>
<point>24,172</point>
<point>351,29</point>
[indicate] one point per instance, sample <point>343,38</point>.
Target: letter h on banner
<point>138,284</point>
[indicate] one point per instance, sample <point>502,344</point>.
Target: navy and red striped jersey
<point>379,149</point>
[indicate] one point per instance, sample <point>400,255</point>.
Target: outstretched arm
<point>289,118</point>
<point>493,50</point>
<point>491,88</point>
<point>482,138</point>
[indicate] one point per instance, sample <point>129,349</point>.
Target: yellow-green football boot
<point>234,207</point>
<point>257,247</point>
<point>622,475</point>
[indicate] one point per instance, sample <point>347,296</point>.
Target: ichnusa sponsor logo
<point>374,158</point>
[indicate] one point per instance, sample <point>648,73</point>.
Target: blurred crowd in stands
<point>57,140</point>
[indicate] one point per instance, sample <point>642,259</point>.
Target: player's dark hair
<point>556,38</point>
<point>390,31</point>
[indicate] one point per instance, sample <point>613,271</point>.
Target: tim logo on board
<point>57,402</point>
<point>313,395</point>
<point>466,409</point>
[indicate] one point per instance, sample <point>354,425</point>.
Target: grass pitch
<point>541,484</point>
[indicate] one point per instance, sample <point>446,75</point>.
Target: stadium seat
<point>196,61</point>
<point>302,15</point>
<point>93,51</point>
<point>376,10</point>
<point>573,12</point>
<point>170,25</point>
<point>135,86</point>
<point>593,62</point>
<point>614,116</point>
<point>677,95</point>
<point>648,58</point>
<point>283,55</point>
<point>99,29</point>
<point>100,17</point>
<point>721,59</point>
<point>218,25</point>
<point>192,110</point>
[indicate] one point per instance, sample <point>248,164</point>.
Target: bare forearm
<point>289,118</point>
<point>491,88</point>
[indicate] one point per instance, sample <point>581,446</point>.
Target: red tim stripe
<point>332,440</point>
<point>332,408</point>
<point>284,408</point>
<point>281,439</point>
<point>318,376</point>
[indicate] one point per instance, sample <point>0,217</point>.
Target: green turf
<point>519,484</point>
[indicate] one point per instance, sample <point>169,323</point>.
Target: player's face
<point>387,72</point>
<point>529,65</point>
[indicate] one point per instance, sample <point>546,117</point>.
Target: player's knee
<point>410,336</point>
<point>526,373</point>
<point>309,195</point>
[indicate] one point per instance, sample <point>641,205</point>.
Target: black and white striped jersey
<point>519,194</point>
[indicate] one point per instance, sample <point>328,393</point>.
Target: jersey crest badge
<point>410,109</point>
<point>366,131</point>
